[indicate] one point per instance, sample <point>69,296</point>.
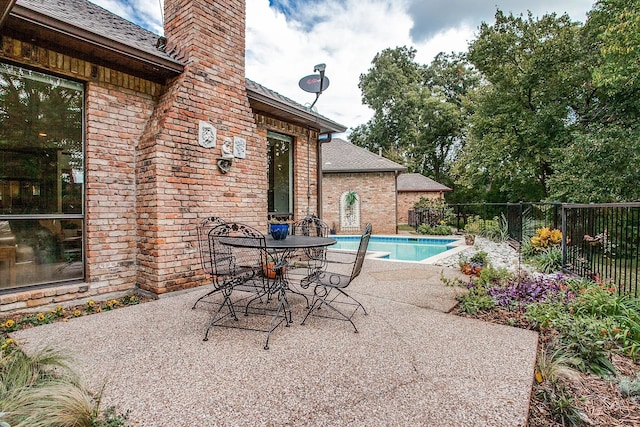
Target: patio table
<point>280,252</point>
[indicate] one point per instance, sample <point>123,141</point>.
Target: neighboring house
<point>114,141</point>
<point>351,170</point>
<point>412,187</point>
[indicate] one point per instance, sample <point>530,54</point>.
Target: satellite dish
<point>311,83</point>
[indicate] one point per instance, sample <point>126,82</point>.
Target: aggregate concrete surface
<point>411,364</point>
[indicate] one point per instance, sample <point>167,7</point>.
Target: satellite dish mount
<point>315,83</point>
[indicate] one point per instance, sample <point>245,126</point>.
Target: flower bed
<point>62,314</point>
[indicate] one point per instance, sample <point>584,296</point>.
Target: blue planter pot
<point>279,231</point>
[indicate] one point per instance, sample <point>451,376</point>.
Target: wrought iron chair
<point>313,259</point>
<point>204,227</point>
<point>239,261</point>
<point>329,287</point>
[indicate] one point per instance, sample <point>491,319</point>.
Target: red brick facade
<point>377,199</point>
<point>406,200</point>
<point>147,178</point>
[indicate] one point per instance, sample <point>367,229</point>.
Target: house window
<point>280,161</point>
<point>41,178</point>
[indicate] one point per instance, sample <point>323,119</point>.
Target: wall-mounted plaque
<point>239,147</point>
<point>206,135</point>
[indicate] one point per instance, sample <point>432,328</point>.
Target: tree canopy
<point>537,109</point>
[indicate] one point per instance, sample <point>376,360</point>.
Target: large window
<point>41,178</point>
<point>280,156</point>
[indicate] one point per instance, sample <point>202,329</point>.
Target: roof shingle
<point>418,182</point>
<point>95,19</point>
<point>342,156</point>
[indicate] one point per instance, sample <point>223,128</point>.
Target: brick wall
<point>376,194</point>
<point>178,180</point>
<point>147,178</point>
<point>112,135</point>
<point>406,200</point>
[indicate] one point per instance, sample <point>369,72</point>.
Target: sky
<point>285,39</point>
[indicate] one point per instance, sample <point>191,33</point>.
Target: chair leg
<point>322,296</point>
<point>313,307</point>
<point>354,300</point>
<point>286,309</point>
<point>204,296</point>
<point>226,302</point>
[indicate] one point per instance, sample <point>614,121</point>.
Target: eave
<point>39,29</point>
<point>286,112</point>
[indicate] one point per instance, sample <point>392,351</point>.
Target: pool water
<point>398,248</point>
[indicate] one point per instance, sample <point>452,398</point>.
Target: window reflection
<point>41,178</point>
<point>279,153</point>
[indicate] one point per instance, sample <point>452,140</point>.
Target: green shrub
<point>438,230</point>
<point>592,323</point>
<point>548,261</point>
<point>563,406</point>
<point>477,299</point>
<point>493,229</point>
<point>630,386</point>
<point>480,257</point>
<point>43,391</point>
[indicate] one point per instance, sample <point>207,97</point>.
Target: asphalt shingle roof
<point>418,182</point>
<point>342,156</point>
<point>93,18</point>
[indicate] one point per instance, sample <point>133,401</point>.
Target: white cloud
<point>346,35</point>
<point>279,52</point>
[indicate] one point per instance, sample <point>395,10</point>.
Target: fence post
<point>521,224</point>
<point>564,236</point>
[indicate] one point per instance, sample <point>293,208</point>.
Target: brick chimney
<point>178,179</point>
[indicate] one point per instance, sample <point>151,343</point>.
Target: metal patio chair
<point>329,286</point>
<point>313,259</point>
<point>203,228</point>
<point>239,260</point>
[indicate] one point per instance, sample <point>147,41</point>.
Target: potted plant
<point>473,265</point>
<point>269,269</point>
<point>279,228</point>
<point>333,228</point>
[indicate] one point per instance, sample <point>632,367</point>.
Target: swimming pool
<point>399,248</point>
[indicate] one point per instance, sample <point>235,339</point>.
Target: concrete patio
<point>411,364</point>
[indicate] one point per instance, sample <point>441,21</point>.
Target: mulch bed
<point>600,400</point>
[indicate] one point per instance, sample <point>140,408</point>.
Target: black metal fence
<point>600,241</point>
<point>519,217</point>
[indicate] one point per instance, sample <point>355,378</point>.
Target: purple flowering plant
<point>516,294</point>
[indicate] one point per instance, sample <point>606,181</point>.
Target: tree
<point>601,162</point>
<point>600,166</point>
<point>417,110</point>
<point>617,26</point>
<point>524,111</point>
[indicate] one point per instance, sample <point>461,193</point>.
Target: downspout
<point>397,173</point>
<point>309,169</point>
<point>319,171</point>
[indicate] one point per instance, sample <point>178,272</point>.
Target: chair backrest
<point>362,251</point>
<point>310,226</point>
<point>204,227</point>
<point>243,252</point>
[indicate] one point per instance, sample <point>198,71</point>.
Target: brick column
<point>178,180</point>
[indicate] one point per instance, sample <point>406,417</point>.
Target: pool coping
<point>456,247</point>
